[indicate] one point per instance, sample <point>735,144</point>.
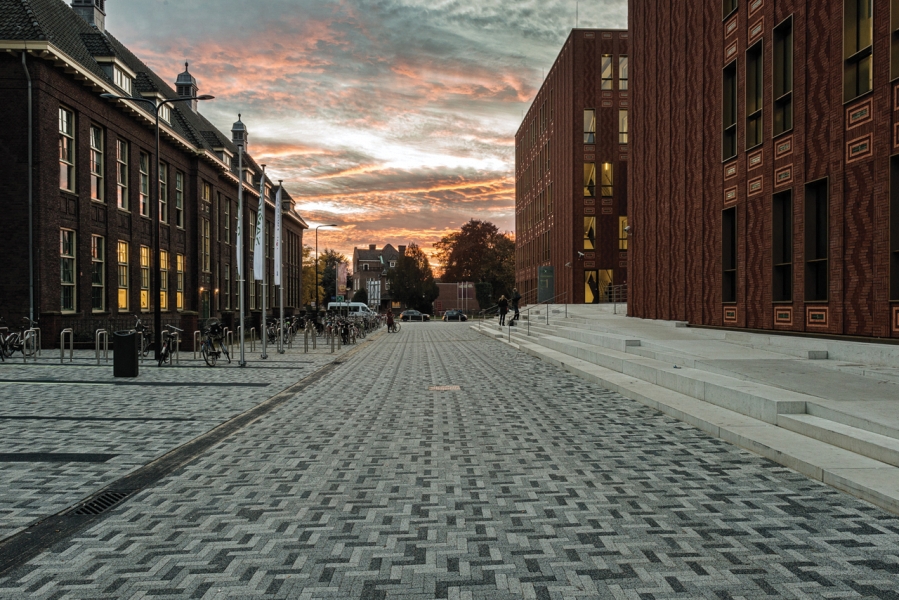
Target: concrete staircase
<point>778,399</point>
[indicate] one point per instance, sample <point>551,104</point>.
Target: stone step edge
<point>865,478</point>
<point>860,441</point>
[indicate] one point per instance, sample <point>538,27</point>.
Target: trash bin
<point>124,354</point>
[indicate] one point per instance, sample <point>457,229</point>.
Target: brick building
<point>370,268</point>
<point>90,170</point>
<point>775,125</point>
<point>456,296</point>
<point>571,154</point>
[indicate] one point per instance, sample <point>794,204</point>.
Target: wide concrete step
<point>879,447</point>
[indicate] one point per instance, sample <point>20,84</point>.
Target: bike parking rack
<point>229,341</point>
<point>176,348</point>
<point>28,335</point>
<point>37,333</point>
<point>62,344</point>
<point>196,343</point>
<point>103,335</point>
<point>140,346</point>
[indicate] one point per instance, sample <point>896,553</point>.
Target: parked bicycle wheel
<point>29,346</point>
<point>208,353</point>
<point>145,350</point>
<point>165,357</point>
<point>225,350</point>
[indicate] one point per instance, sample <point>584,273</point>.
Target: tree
<point>479,253</point>
<point>412,281</point>
<point>361,296</point>
<point>327,273</point>
<point>308,285</point>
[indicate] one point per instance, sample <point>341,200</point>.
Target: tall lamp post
<point>154,212</point>
<point>317,308</point>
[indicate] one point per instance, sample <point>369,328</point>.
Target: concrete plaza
<point>432,463</point>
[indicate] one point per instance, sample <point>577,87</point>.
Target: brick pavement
<point>526,483</point>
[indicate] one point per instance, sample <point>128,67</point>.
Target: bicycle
<point>165,353</point>
<point>146,336</point>
<point>18,341</point>
<point>395,328</point>
<point>214,331</point>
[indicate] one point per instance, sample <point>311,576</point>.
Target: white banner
<point>258,249</point>
<point>278,238</point>
<point>239,248</point>
<point>341,281</point>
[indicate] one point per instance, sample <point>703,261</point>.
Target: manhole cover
<point>444,388</point>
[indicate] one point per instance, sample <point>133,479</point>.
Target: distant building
<point>370,268</point>
<point>460,296</point>
<point>571,155</point>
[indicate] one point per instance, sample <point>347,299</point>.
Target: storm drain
<point>444,388</point>
<point>101,503</point>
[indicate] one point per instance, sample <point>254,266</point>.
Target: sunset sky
<point>394,119</point>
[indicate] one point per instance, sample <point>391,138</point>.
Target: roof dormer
<point>91,11</point>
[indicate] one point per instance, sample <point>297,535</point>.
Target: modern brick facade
<point>92,244</point>
<point>791,225</point>
<point>571,173</point>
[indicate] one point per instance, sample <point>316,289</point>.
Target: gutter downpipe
<point>30,195</point>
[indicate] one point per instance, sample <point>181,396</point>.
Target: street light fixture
<point>154,210</point>
<point>317,308</point>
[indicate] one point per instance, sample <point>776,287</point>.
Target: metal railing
<point>101,335</point>
<point>617,294</point>
<point>62,344</point>
<point>547,304</point>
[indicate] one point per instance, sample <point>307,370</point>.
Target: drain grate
<point>444,388</point>
<point>101,503</point>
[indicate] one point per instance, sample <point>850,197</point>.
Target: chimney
<point>91,11</point>
<point>402,250</point>
<point>372,246</point>
<point>186,86</point>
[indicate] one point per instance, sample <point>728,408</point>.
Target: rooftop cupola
<point>187,87</point>
<point>92,11</point>
<point>239,134</point>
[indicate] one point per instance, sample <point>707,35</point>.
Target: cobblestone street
<point>382,480</point>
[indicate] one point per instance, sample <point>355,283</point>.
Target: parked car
<point>414,315</point>
<point>454,315</point>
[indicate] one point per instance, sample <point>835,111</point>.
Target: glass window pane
<point>589,180</point>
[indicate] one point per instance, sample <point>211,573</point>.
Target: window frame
<point>123,272</point>
<point>782,76</point>
<point>622,132</point>
<point>67,144</point>
<point>98,274</point>
<point>607,67</point>
<point>122,156</point>
<point>68,257</point>
<point>816,238</point>
<point>179,199</point>
<point>729,7</point>
<point>854,55</point>
<point>730,249</point>
<point>589,184</point>
<point>163,175</point>
<point>623,73</point>
<point>179,282</point>
<point>782,232</point>
<point>95,162</point>
<point>144,191</point>
<point>729,118</point>
<point>754,92</point>
<point>146,263</point>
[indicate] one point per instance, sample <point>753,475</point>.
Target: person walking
<point>389,321</point>
<point>516,298</point>
<point>503,309</point>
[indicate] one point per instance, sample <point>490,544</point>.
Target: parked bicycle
<point>145,337</point>
<point>19,341</point>
<point>214,332</point>
<point>165,353</point>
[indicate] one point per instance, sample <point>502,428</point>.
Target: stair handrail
<point>544,303</point>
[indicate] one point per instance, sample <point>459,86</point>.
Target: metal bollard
<point>196,343</point>
<point>176,348</point>
<point>306,340</point>
<point>252,339</point>
<point>62,344</point>
<point>332,343</point>
<point>101,334</point>
<point>38,344</point>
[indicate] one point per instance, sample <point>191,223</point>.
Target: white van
<point>353,309</point>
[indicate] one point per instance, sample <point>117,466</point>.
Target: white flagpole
<point>241,280</point>
<point>260,235</point>
<point>279,254</point>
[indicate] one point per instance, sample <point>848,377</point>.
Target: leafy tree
<point>308,285</point>
<point>479,252</point>
<point>361,296</point>
<point>483,292</point>
<point>327,273</point>
<point>412,281</point>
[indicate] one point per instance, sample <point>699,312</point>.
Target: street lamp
<point>316,263</point>
<point>154,211</point>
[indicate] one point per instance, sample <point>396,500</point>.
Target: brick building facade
<point>91,167</point>
<point>764,192</point>
<point>571,155</point>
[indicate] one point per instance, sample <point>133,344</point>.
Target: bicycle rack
<point>28,335</point>
<point>176,348</point>
<point>62,344</point>
<point>103,335</point>
<point>196,343</point>
<point>305,339</point>
<point>140,346</point>
<point>37,331</point>
<point>252,339</point>
<point>229,341</point>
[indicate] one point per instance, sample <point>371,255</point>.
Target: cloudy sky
<point>394,119</point>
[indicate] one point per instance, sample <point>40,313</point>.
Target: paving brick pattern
<point>525,483</point>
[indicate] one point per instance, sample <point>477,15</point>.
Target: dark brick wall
<point>679,183</point>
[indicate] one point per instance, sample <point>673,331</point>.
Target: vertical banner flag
<point>240,244</point>
<point>278,238</point>
<point>341,280</point>
<point>258,251</point>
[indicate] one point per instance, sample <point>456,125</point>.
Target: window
<point>121,79</point>
<point>894,39</point>
<point>729,145</point>
<point>96,135</point>
<point>205,245</point>
<point>729,255</point>
<point>226,288</point>
<point>729,6</point>
<point>607,75</point>
<point>179,282</point>
<point>754,86</point>
<point>365,267</point>
<point>589,180</point>
<point>589,233</point>
<point>392,264</point>
<point>122,254</point>
<point>589,126</point>
<point>783,77</point>
<point>144,278</point>
<point>227,219</point>
<point>207,192</point>
<point>165,112</point>
<point>816,241</point>
<point>782,246</point>
<point>144,184</point>
<point>163,280</point>
<point>622,73</point>
<point>252,301</point>
<point>858,33</point>
<point>622,126</point>
<point>98,274</point>
<point>121,157</point>
<point>66,150</point>
<point>163,192</point>
<point>622,233</point>
<point>608,181</point>
<point>894,228</point>
<point>549,199</point>
<point>179,199</point>
<point>67,269</point>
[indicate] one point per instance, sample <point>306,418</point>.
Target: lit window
<point>589,233</point>
<point>96,135</point>
<point>589,180</point>
<point>608,181</point>
<point>122,174</point>
<point>144,278</point>
<point>66,150</point>
<point>98,274</point>
<point>123,274</point>
<point>589,126</point>
<point>622,126</point>
<point>622,233</point>
<point>179,282</point>
<point>144,184</point>
<point>607,75</point>
<point>163,280</point>
<point>622,73</point>
<point>67,269</point>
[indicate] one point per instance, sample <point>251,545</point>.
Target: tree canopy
<point>412,281</point>
<point>327,273</point>
<point>479,252</point>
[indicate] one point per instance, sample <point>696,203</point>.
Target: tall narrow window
<point>227,221</point>
<point>206,245</point>
<point>144,184</point>
<point>729,255</point>
<point>728,6</point>
<point>66,150</point>
<point>754,86</point>
<point>607,74</point>
<point>608,180</point>
<point>226,287</point>
<point>123,274</point>
<point>589,233</point>
<point>179,282</point>
<point>144,278</point>
<point>816,241</point>
<point>894,39</point>
<point>549,199</point>
<point>622,73</point>
<point>121,157</point>
<point>96,135</point>
<point>67,270</point>
<point>858,34</point>
<point>783,77</point>
<point>622,233</point>
<point>729,113</point>
<point>589,126</point>
<point>589,180</point>
<point>782,246</point>
<point>163,280</point>
<point>894,228</point>
<point>179,199</point>
<point>207,192</point>
<point>163,192</point>
<point>622,126</point>
<point>98,273</point>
